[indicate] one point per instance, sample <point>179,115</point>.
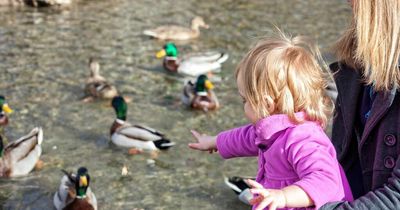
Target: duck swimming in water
<point>19,157</point>
<point>172,32</point>
<point>140,137</point>
<point>191,65</point>
<point>74,192</point>
<point>97,86</point>
<point>200,95</point>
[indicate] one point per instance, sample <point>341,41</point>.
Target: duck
<point>5,109</point>
<point>240,187</point>
<point>179,33</point>
<point>96,86</point>
<point>19,157</point>
<point>74,192</point>
<point>200,95</point>
<point>191,65</point>
<point>140,137</point>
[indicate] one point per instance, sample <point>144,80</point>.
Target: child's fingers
<point>256,200</point>
<point>273,206</point>
<point>253,183</point>
<point>264,203</point>
<point>259,191</point>
<point>195,134</point>
<point>195,146</point>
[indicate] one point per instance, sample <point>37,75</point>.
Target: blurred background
<point>43,66</point>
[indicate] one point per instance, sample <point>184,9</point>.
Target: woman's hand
<point>266,197</point>
<point>204,142</point>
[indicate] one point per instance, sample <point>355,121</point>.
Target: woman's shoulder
<point>340,67</point>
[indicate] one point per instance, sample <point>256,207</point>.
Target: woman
<point>366,124</point>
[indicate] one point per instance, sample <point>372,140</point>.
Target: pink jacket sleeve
<point>314,160</point>
<point>237,142</point>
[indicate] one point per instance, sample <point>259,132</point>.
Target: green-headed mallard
<point>5,109</point>
<point>140,137</point>
<point>200,95</point>
<point>74,192</point>
<point>172,32</point>
<point>96,85</point>
<point>191,65</point>
<point>19,157</point>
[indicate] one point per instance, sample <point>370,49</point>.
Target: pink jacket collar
<point>268,129</point>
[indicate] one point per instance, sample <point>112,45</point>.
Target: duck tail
<point>150,33</point>
<point>223,58</point>
<point>163,144</point>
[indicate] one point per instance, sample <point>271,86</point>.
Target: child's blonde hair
<point>285,73</point>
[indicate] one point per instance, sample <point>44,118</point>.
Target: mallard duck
<point>74,192</point>
<point>5,109</point>
<point>19,157</point>
<point>191,65</point>
<point>140,137</point>
<point>240,187</point>
<point>96,85</point>
<point>172,32</point>
<point>200,95</point>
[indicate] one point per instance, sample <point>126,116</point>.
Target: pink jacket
<point>290,154</point>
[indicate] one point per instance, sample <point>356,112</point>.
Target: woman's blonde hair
<point>286,73</point>
<point>372,42</point>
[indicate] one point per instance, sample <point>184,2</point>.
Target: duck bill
<point>7,109</point>
<point>209,85</point>
<point>83,181</point>
<point>161,54</point>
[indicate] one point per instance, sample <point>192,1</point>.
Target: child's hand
<point>205,143</point>
<point>266,197</point>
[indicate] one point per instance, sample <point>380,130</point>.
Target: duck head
<point>5,109</point>
<point>94,67</point>
<point>203,85</point>
<point>120,107</point>
<point>168,50</point>
<point>82,182</point>
<point>199,22</point>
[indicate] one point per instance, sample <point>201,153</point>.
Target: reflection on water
<point>43,63</point>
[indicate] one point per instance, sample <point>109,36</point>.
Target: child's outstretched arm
<point>237,142</point>
<point>291,196</point>
<point>204,142</point>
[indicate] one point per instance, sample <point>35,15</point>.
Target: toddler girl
<point>282,87</point>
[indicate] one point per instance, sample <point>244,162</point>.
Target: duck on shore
<point>173,32</point>
<point>191,65</point>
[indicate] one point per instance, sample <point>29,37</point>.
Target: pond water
<point>43,65</point>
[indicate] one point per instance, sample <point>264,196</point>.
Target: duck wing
<point>170,32</point>
<point>140,137</point>
<point>196,65</point>
<point>100,89</point>
<point>24,152</point>
<point>67,188</point>
<point>211,56</point>
<point>188,93</point>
